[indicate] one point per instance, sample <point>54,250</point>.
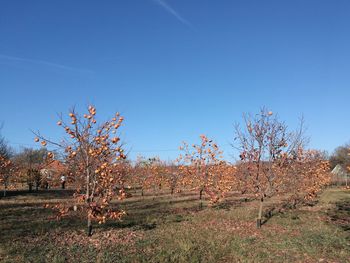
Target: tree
<point>172,176</point>
<point>147,173</point>
<point>223,181</point>
<point>199,163</point>
<point>6,165</point>
<point>340,156</point>
<point>5,172</point>
<point>93,152</point>
<point>265,144</point>
<point>5,150</point>
<point>307,173</point>
<point>29,163</point>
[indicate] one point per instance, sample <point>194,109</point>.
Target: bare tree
<point>265,146</point>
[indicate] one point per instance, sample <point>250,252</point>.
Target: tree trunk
<point>89,225</point>
<point>5,187</point>
<point>30,186</point>
<point>172,190</point>
<point>294,205</point>
<point>141,191</point>
<point>200,198</point>
<point>258,220</point>
<point>88,199</point>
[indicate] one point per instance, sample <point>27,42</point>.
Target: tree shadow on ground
<point>17,221</point>
<point>340,215</point>
<point>49,193</point>
<point>281,208</point>
<point>27,216</point>
<point>228,204</point>
<point>269,213</point>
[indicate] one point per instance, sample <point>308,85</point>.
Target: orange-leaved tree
<point>29,163</point>
<point>199,164</point>
<point>5,172</point>
<point>93,152</point>
<point>223,180</point>
<point>307,172</point>
<point>147,173</point>
<point>6,165</point>
<point>172,176</point>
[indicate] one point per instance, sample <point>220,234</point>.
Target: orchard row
<point>273,161</point>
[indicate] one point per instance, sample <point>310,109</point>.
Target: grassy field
<point>163,228</point>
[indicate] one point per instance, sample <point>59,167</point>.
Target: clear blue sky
<point>175,68</point>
